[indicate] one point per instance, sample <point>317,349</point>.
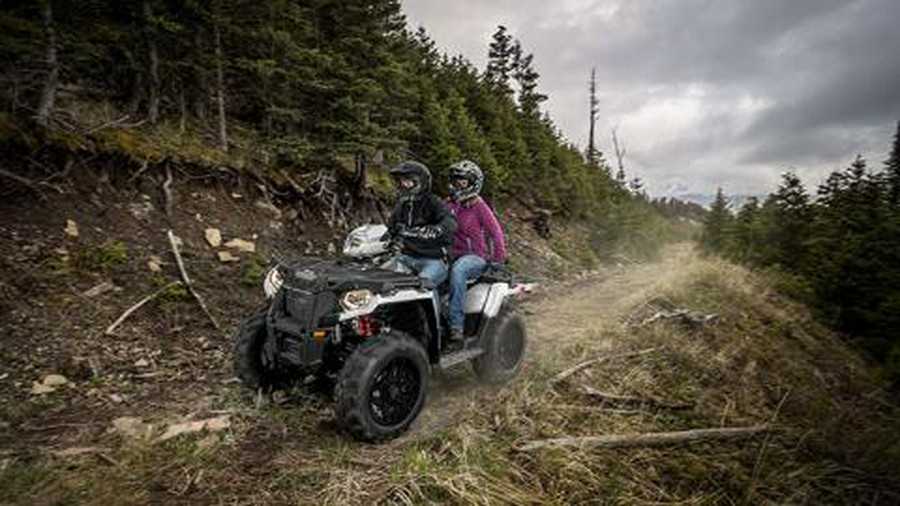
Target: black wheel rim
<point>512,344</point>
<point>395,392</point>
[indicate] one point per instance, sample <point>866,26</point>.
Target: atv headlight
<point>357,299</point>
<point>272,283</point>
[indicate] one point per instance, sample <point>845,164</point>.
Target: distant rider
<point>420,225</point>
<point>478,238</point>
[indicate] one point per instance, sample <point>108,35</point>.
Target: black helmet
<point>415,171</point>
<point>467,170</point>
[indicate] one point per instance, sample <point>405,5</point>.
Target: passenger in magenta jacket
<point>478,238</point>
<point>475,220</point>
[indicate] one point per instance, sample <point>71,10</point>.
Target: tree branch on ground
<point>167,191</point>
<point>187,281</point>
<point>594,361</point>
<point>140,303</point>
<point>646,440</point>
<point>682,315</point>
<point>600,409</point>
<point>32,185</point>
<point>632,401</point>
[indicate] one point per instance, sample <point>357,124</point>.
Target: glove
<point>394,242</point>
<point>423,232</point>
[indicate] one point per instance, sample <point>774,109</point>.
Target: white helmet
<point>468,171</point>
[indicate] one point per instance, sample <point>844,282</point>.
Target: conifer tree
<point>500,60</point>
<point>790,213</point>
<point>716,227</point>
<point>853,244</point>
<point>746,238</point>
<point>526,78</point>
<point>299,83</point>
<point>892,169</point>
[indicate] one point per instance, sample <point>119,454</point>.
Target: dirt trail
<point>598,301</point>
<point>558,312</point>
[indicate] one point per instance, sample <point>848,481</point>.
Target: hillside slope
<point>761,360</point>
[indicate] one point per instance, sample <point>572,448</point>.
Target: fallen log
<point>646,440</point>
<point>594,361</point>
<point>681,315</point>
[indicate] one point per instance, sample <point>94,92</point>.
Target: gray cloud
<point>705,93</point>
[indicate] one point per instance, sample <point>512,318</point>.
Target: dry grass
<point>763,360</point>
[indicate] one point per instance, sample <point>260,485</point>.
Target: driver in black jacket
<point>420,225</point>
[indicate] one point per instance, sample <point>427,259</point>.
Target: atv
<point>374,335</point>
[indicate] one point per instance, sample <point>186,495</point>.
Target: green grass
<point>110,254</point>
<point>254,269</point>
<point>84,259</point>
<point>575,250</point>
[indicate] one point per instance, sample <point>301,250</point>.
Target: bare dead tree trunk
<point>592,150</point>
<point>153,106</point>
<point>199,95</point>
<point>182,106</point>
<point>48,95</point>
<point>359,173</point>
<point>620,156</point>
<point>220,87</point>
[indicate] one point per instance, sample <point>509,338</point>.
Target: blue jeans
<point>464,268</point>
<point>431,269</point>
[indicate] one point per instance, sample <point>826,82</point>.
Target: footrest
<point>451,359</point>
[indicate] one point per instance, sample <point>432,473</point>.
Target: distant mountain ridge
<point>735,202</point>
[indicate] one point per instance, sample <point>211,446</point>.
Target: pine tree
<point>855,245</point>
<point>747,237</point>
<point>789,226</point>
<point>302,83</point>
<point>472,144</point>
<point>717,225</point>
<point>436,146</point>
<point>526,78</point>
<point>500,60</point>
<point>892,169</point>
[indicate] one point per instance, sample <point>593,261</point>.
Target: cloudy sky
<point>704,93</point>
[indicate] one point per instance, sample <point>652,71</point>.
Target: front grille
<point>302,313</point>
<point>300,307</point>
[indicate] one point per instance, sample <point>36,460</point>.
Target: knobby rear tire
<point>504,349</point>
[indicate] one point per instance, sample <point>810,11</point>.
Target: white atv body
<point>375,333</point>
